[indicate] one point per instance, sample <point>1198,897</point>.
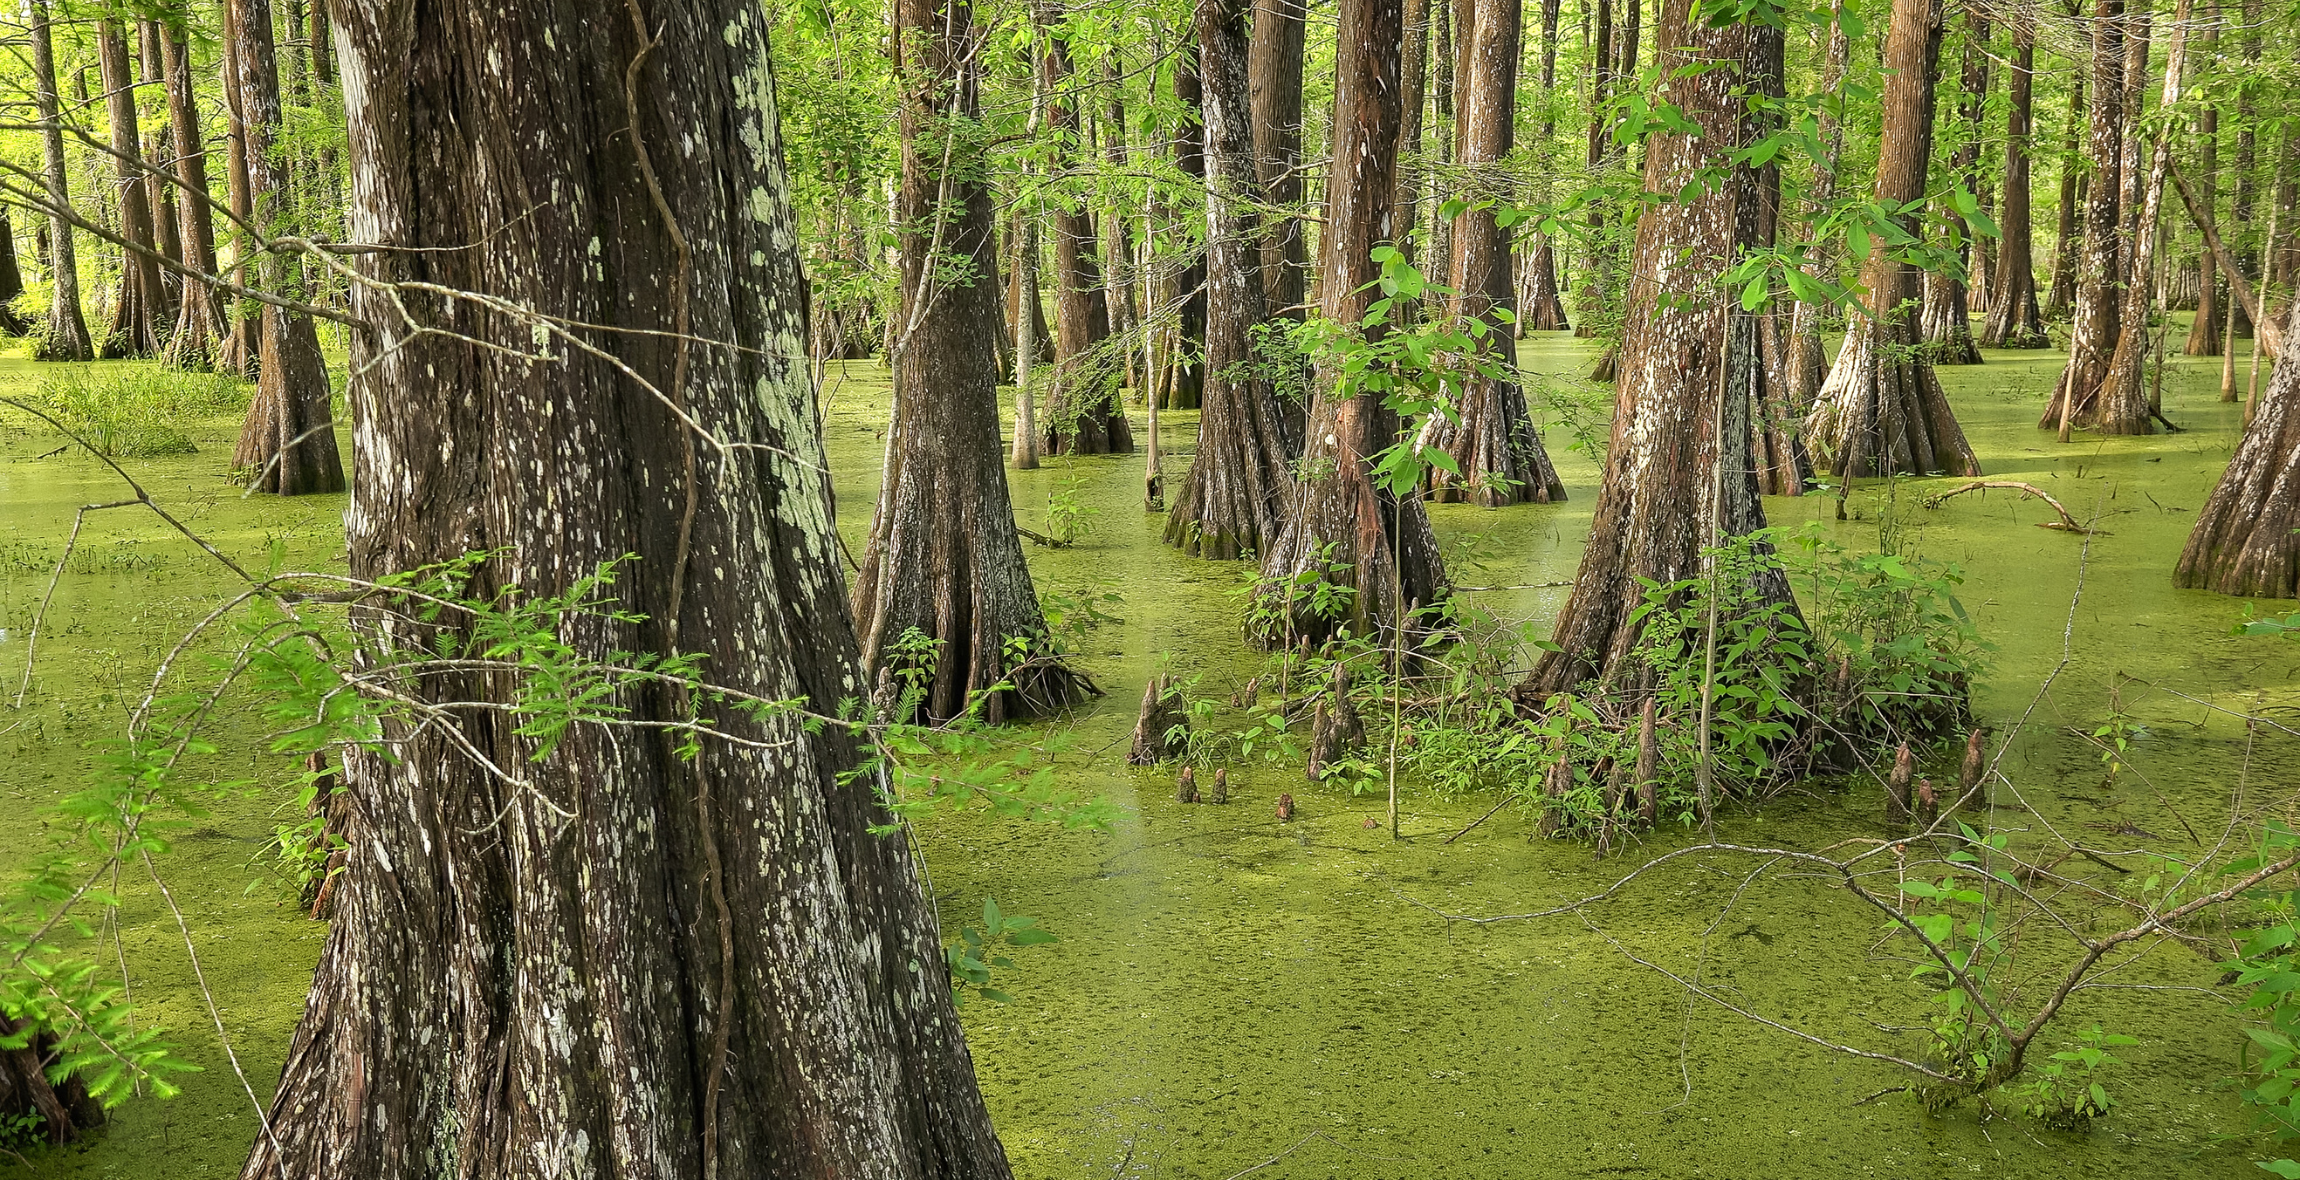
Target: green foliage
<point>979,948</point>
<point>137,411</point>
<point>2066,1093</point>
<point>1964,946</point>
<point>1069,518</point>
<point>1073,615</point>
<point>2269,965</point>
<point>1888,629</point>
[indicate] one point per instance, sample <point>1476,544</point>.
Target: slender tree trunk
<point>1184,290</point>
<point>2075,195</point>
<point>1084,415</point>
<point>1679,476</point>
<point>160,160</point>
<point>1597,270</point>
<point>2100,292</point>
<point>242,347</point>
<point>2210,322</point>
<point>199,314</point>
<point>1544,307</point>
<point>627,963</point>
<point>1948,323</point>
<point>2124,403</point>
<point>65,337</point>
<point>1117,243</point>
<point>2014,319</point>
<point>1442,61</point>
<point>1494,443</point>
<point>287,444</point>
<point>1808,360</point>
<point>1340,528</point>
<point>1882,411</point>
<point>136,310</point>
<point>1276,78</point>
<point>11,279</point>
<point>944,560</point>
<point>1232,502</point>
<point>1413,90</point>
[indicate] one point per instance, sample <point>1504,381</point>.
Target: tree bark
<point>141,300</point>
<point>1413,92</point>
<point>2209,324</point>
<point>2125,407</point>
<point>1083,415</point>
<point>2247,537</point>
<point>1494,443</point>
<point>1679,475</point>
<point>1597,270</point>
<point>53,1112</point>
<point>1232,502</point>
<point>1275,75</point>
<point>2243,197</point>
<point>1807,354</point>
<point>2014,319</point>
<point>11,279</point>
<point>160,163</point>
<point>287,443</point>
<point>241,350</point>
<point>1118,244</point>
<point>1183,291</point>
<point>1882,411</point>
<point>1543,309</point>
<point>1948,323</point>
<point>1340,529</point>
<point>548,977</point>
<point>2075,192</point>
<point>2076,400</point>
<point>944,558</point>
<point>65,337</point>
<point>199,313</point>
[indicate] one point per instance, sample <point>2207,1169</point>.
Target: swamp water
<point>1231,990</point>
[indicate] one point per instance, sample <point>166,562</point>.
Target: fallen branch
<point>1041,538</point>
<point>2265,327</point>
<point>2066,523</point>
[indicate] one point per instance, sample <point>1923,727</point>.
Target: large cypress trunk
<point>65,337</point>
<point>2099,290</point>
<point>1493,442</point>
<point>1882,411</point>
<point>1274,74</point>
<point>287,443</point>
<point>944,558</point>
<point>1340,528</point>
<point>1083,415</point>
<point>2014,319</point>
<point>199,313</point>
<point>628,964</point>
<point>141,298</point>
<point>2247,537</point>
<point>1948,324</point>
<point>1679,475</point>
<point>1232,502</point>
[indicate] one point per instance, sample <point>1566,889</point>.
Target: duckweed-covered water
<point>1231,991</point>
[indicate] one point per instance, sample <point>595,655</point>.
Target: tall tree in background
<point>1340,528</point>
<point>1543,308</point>
<point>2124,394</point>
<point>2014,319</point>
<point>11,278</point>
<point>1679,475</point>
<point>2076,398</point>
<point>287,443</point>
<point>199,312</point>
<point>548,976</point>
<point>159,164</point>
<point>242,348</point>
<point>142,301</point>
<point>65,334</point>
<point>1413,92</point>
<point>1182,293</point>
<point>1117,242</point>
<point>1947,321</point>
<point>1280,32</point>
<point>1493,443</point>
<point>1807,356</point>
<point>2075,192</point>
<point>1882,410</point>
<point>944,561</point>
<point>1083,416</point>
<point>1232,503</point>
<point>2210,322</point>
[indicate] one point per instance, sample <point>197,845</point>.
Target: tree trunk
<point>2242,199</point>
<point>2209,324</point>
<point>1807,354</point>
<point>2075,193</point>
<point>1022,292</point>
<point>37,1109</point>
<point>2125,407</point>
<point>2014,320</point>
<point>241,350</point>
<point>1083,415</point>
<point>1948,322</point>
<point>65,337</point>
<point>287,444</point>
<point>1117,243</point>
<point>1597,270</point>
<point>2076,399</point>
<point>1275,75</point>
<point>11,279</point>
<point>1183,293</point>
<point>1499,453</point>
<point>1413,91</point>
<point>626,964</point>
<point>1679,476</point>
<point>2247,537</point>
<point>1543,309</point>
<point>1340,528</point>
<point>1882,411</point>
<point>199,315</point>
<point>159,165</point>
<point>1442,62</point>
<point>944,558</point>
<point>1240,483</point>
<point>136,310</point>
